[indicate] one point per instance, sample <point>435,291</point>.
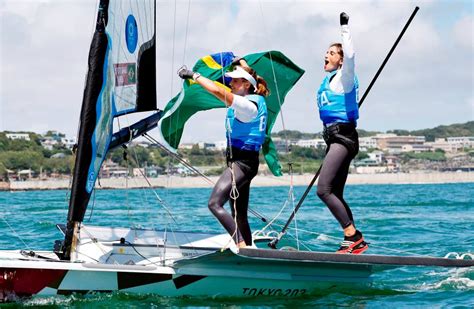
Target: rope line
<point>15,233</point>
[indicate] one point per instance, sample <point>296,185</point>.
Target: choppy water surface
<point>395,219</point>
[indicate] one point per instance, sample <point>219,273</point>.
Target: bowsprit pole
<point>274,242</point>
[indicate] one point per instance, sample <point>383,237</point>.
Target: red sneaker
<point>353,247</point>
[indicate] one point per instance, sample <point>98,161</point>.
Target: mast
<point>121,79</point>
<point>79,196</point>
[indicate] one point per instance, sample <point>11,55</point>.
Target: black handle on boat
<point>274,242</point>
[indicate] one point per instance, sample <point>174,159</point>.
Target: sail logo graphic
<point>131,33</point>
<point>90,182</point>
<point>125,74</point>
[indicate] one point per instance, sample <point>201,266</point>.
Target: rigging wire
<point>291,197</point>
<point>165,207</point>
<point>234,191</point>
<point>15,233</point>
<point>196,171</point>
<point>275,81</point>
<point>170,161</point>
<point>271,222</point>
<point>173,48</point>
<point>161,202</point>
<point>125,158</point>
<point>179,158</point>
<point>127,201</point>
<point>186,32</point>
<point>173,76</point>
<point>287,143</point>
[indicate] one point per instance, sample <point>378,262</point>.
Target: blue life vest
<point>248,135</point>
<point>338,107</point>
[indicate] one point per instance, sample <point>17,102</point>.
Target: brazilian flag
<point>280,73</point>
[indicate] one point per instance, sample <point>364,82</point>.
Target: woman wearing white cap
<point>246,124</point>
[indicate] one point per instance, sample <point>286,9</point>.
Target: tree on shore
<point>3,172</point>
<point>22,160</point>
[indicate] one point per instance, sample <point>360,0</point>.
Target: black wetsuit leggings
<point>331,183</point>
<point>221,194</point>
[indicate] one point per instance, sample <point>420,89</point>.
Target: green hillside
<point>453,130</point>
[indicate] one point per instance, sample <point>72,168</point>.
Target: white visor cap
<point>238,72</point>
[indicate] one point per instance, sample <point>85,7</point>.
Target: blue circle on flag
<point>131,33</point>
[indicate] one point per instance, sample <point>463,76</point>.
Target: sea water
<point>396,219</point>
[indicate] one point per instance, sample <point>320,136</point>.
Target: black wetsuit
<point>245,168</point>
<point>342,146</point>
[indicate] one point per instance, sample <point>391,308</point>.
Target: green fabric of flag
<point>280,73</point>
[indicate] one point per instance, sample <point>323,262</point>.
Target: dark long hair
<point>262,88</point>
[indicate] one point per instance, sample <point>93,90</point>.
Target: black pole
<point>274,242</point>
<point>388,56</point>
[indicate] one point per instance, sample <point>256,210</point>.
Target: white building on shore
<point>310,143</point>
<point>366,143</point>
<point>376,156</point>
<point>221,145</point>
<point>186,146</point>
<point>21,136</point>
<point>69,142</point>
<point>462,141</point>
<point>394,144</point>
<point>206,145</point>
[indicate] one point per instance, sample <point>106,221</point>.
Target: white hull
<point>168,264</point>
<point>218,274</point>
<point>189,264</point>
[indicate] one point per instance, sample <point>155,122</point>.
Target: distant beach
<point>259,181</point>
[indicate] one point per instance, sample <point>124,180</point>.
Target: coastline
<point>427,177</point>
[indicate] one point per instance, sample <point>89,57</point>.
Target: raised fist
<point>344,19</point>
<point>184,73</point>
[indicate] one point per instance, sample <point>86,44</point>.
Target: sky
<point>428,81</point>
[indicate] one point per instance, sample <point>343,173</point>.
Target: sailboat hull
<point>165,263</point>
<point>249,273</point>
<point>218,274</point>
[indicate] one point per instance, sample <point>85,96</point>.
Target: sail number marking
<point>263,123</point>
<point>273,292</point>
<point>323,99</point>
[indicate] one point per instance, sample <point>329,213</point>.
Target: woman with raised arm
<point>246,123</point>
<point>338,109</point>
